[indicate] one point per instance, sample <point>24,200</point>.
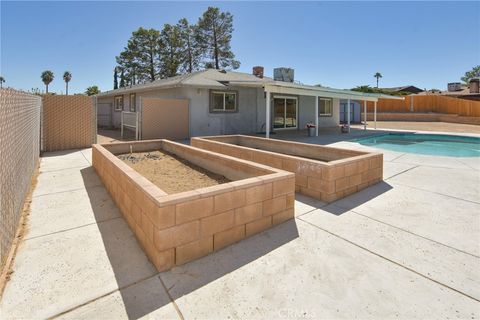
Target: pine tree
<point>191,54</point>
<point>115,79</point>
<point>122,80</point>
<point>214,34</point>
<point>171,51</point>
<point>140,58</point>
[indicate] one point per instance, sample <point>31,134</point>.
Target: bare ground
<point>171,173</point>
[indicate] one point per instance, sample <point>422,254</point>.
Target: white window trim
<point>285,111</point>
<point>115,103</point>
<point>224,93</point>
<point>134,102</point>
<point>331,108</point>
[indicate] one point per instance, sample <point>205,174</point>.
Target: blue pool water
<point>428,144</point>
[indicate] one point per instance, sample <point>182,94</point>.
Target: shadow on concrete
<point>140,285</point>
<point>48,154</point>
<point>357,199</point>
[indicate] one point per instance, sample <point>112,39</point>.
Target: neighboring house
<point>460,90</point>
<point>227,102</point>
<point>404,89</point>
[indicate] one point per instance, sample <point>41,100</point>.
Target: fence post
<point>411,104</point>
<point>121,125</point>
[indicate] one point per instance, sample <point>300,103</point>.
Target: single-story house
<point>409,89</point>
<point>212,102</point>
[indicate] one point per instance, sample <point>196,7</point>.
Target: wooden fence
<point>429,103</point>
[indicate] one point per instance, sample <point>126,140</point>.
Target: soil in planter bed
<point>171,173</point>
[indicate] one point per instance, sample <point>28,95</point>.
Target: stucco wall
<point>250,117</point>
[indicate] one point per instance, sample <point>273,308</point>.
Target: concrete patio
<point>405,248</point>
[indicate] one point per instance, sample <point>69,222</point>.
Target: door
<point>285,112</point>
<point>343,112</point>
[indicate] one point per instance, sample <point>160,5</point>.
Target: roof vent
<point>283,74</point>
<point>222,71</point>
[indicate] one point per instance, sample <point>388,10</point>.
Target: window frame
<point>115,107</point>
<point>331,107</point>
<point>133,107</point>
<point>224,93</point>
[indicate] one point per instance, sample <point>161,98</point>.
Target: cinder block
<point>193,210</point>
<point>248,213</point>
<point>164,260</point>
<point>274,205</point>
<point>227,237</point>
<point>217,223</point>
<point>162,217</point>
<point>301,180</point>
<point>291,200</point>
<point>229,200</point>
<point>341,184</point>
<point>176,236</point>
<point>258,226</point>
<point>351,169</point>
<point>283,186</point>
<point>310,192</point>
<point>355,180</point>
<point>147,227</point>
<point>193,250</point>
<point>258,193</point>
<point>283,216</point>
<point>363,165</point>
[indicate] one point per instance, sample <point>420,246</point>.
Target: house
<point>409,89</point>
<point>470,91</point>
<point>212,102</point>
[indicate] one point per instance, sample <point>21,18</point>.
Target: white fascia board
<point>317,93</point>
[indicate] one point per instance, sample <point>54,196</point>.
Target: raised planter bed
<point>176,228</point>
<point>324,173</point>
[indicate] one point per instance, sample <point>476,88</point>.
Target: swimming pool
<point>428,144</point>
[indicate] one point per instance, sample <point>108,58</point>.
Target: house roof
<point>408,88</point>
<point>212,78</point>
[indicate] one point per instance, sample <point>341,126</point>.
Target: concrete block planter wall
<point>321,172</point>
<point>176,228</point>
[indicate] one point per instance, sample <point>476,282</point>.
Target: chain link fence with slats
<point>19,155</point>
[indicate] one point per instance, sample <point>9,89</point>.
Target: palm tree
<point>377,75</point>
<point>47,77</point>
<point>2,80</point>
<point>67,76</point>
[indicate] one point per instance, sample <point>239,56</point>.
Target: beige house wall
<point>69,122</point>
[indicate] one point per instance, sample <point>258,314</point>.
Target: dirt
<point>171,173</point>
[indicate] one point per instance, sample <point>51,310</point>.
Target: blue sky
<point>336,44</point>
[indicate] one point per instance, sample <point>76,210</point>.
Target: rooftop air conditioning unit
<point>283,74</point>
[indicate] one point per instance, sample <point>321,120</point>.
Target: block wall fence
<point>174,229</point>
<point>346,172</point>
<point>19,156</point>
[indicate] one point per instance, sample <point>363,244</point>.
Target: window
<point>118,103</point>
<point>223,101</point>
<point>133,102</point>
<point>324,107</point>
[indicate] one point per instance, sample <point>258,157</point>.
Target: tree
<point>214,34</point>
<point>474,73</point>
<point>140,58</point>
<point>170,51</point>
<point>2,80</point>
<point>122,80</point>
<point>67,76</point>
<point>92,90</point>
<point>115,79</point>
<point>190,52</point>
<point>47,77</point>
<point>377,75</point>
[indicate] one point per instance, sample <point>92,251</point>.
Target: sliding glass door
<point>285,110</point>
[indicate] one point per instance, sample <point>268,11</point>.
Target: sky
<point>335,44</point>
